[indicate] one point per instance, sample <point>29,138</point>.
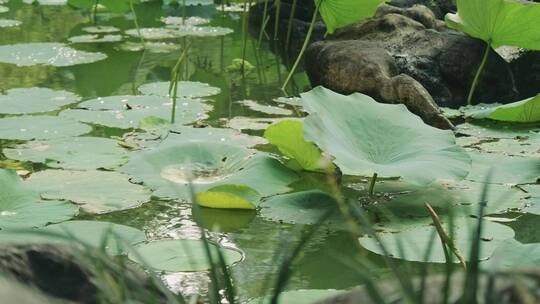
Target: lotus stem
<point>445,239</point>
<point>173,86</point>
<point>244,34</point>
<point>136,22</point>
<point>289,25</point>
<point>372,184</point>
<point>94,12</point>
<point>304,46</point>
<point>478,73</point>
<point>264,21</point>
<point>276,21</point>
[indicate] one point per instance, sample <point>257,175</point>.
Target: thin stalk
<point>478,72</point>
<point>244,34</point>
<point>136,22</point>
<point>289,26</point>
<point>276,20</point>
<point>94,11</point>
<point>372,184</point>
<point>173,86</point>
<point>445,239</point>
<point>264,21</point>
<point>304,46</point>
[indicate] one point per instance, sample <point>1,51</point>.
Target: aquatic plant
<point>524,111</point>
<point>497,23</point>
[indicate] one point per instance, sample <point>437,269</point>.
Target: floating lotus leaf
<point>463,198</point>
<point>202,31</point>
<point>533,203</point>
<point>174,20</point>
<point>119,238</point>
<point>305,208</point>
<point>4,9</point>
<point>229,197</point>
<point>100,29</point>
<point>493,129</point>
<point>288,137</point>
<point>526,111</point>
<point>367,137</point>
<point>180,255</point>
<point>47,2</point>
<point>94,38</point>
<point>169,169</point>
<point>94,191</point>
<point>415,240</point>
<point>175,134</point>
<point>267,109</point>
<point>40,127</point>
<point>253,123</point>
<point>302,296</point>
<point>339,13</point>
<point>46,53</point>
<point>21,207</point>
<point>154,47</point>
<point>512,256</point>
<point>79,153</point>
<point>9,23</point>
<point>126,112</point>
<point>34,100</point>
<point>154,33</point>
<point>188,89</point>
<point>506,169</point>
<point>529,147</point>
<point>499,22</point>
<point>293,101</point>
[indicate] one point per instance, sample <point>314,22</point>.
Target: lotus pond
<point>159,133</point>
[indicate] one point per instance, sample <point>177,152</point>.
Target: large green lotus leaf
<point>302,296</point>
<point>21,207</point>
<point>40,127</point>
<point>415,240</point>
<point>368,137</point>
<point>461,198</point>
<point>95,191</point>
<point>169,169</point>
<point>95,38</point>
<point>34,100</point>
<point>512,255</point>
<point>188,89</point>
<point>118,238</point>
<point>127,112</point>
<point>305,208</point>
<point>177,134</point>
<point>527,111</point>
<point>78,153</point>
<point>288,137</point>
<point>500,22</point>
<point>229,197</point>
<point>46,53</point>
<point>494,129</point>
<point>506,169</point>
<point>13,291</point>
<point>180,255</point>
<point>339,13</point>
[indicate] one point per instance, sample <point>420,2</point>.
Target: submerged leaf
<point>368,137</point>
<point>229,197</point>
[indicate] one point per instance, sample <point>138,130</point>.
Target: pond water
<point>51,49</point>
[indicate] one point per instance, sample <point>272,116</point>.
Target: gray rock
<point>67,274</point>
<point>435,65</point>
